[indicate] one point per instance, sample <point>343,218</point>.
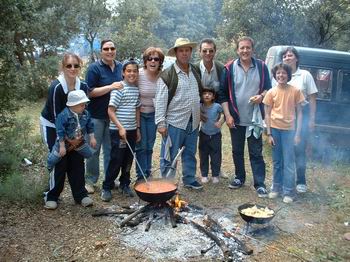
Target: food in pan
<point>257,212</point>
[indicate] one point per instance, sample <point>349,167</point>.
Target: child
<point>280,104</point>
<point>72,123</point>
<point>210,136</point>
<point>124,114</point>
<point>71,126</point>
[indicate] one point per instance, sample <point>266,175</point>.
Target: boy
<point>280,105</point>
<point>124,114</point>
<point>210,136</point>
<point>72,123</point>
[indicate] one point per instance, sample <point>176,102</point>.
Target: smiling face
<point>289,58</point>
<point>153,62</point>
<point>108,52</point>
<point>131,73</point>
<point>245,50</point>
<point>71,67</point>
<point>207,52</point>
<point>281,76</point>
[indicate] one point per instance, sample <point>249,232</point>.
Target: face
<point>207,96</point>
<point>71,68</point>
<point>290,59</point>
<point>78,108</point>
<point>131,73</point>
<point>183,55</point>
<point>153,62</point>
<point>207,52</point>
<point>108,52</point>
<point>245,50</point>
<point>281,76</point>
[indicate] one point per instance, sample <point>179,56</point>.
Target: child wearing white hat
<point>72,124</point>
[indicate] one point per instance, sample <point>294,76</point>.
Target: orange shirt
<point>283,102</point>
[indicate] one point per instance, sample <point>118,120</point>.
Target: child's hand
<point>296,139</point>
<point>218,124</point>
<point>62,151</point>
<point>270,140</point>
<point>93,142</point>
<point>122,133</point>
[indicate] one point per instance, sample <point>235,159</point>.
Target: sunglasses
<point>69,66</point>
<point>206,51</point>
<point>155,59</point>
<point>108,48</point>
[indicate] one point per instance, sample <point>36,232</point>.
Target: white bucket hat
<point>76,97</point>
<point>181,42</point>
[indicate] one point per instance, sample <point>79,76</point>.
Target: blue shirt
<point>125,101</point>
<point>67,124</point>
<point>213,115</point>
<point>100,74</point>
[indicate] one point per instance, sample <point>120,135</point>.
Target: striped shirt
<point>125,101</point>
<point>147,92</point>
<point>184,104</point>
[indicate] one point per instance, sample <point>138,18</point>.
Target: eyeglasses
<point>206,51</point>
<point>69,66</point>
<point>108,48</point>
<point>155,59</point>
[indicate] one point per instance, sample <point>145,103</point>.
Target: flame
<point>178,203</point>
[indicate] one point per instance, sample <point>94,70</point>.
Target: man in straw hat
<point>177,111</point>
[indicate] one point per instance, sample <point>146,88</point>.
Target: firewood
<point>127,219</point>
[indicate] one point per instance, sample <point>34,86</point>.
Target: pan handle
<point>173,164</point>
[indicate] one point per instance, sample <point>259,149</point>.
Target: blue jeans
<point>53,158</point>
<point>144,149</point>
<point>180,138</point>
<point>283,161</point>
<point>238,137</point>
<point>101,130</point>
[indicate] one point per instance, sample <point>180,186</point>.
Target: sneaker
<point>301,188</point>
<point>273,194</point>
<point>116,184</point>
<point>127,191</point>
<point>204,179</point>
<point>50,205</point>
<point>90,188</point>
<point>87,202</point>
<point>288,199</point>
<point>236,183</point>
<point>106,195</point>
<point>262,192</point>
<point>194,185</point>
<point>215,180</point>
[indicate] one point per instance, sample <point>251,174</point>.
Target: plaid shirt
<point>184,104</point>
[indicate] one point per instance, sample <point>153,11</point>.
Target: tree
<point>94,16</point>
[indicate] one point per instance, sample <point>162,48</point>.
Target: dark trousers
<point>121,159</point>
<point>255,155</point>
<point>71,164</point>
<point>210,146</point>
<point>300,149</point>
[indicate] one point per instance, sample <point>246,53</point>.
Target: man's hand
<point>163,131</point>
<point>257,99</point>
<point>116,85</point>
<point>270,140</point>
<point>230,122</point>
<point>93,141</point>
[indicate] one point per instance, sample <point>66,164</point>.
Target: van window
<point>323,78</point>
<point>344,87</point>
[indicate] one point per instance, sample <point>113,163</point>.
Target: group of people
<point>127,105</point>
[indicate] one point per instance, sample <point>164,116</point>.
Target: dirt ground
<point>310,229</point>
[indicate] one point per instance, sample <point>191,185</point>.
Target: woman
<point>305,82</point>
<point>148,75</point>
<point>72,163</point>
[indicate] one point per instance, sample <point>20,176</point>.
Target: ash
<point>183,243</point>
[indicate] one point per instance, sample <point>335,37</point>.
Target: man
<point>177,111</point>
<point>102,77</point>
<point>243,85</point>
<point>210,70</point>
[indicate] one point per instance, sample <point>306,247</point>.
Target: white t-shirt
<point>303,80</point>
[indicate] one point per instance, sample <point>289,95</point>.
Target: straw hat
<point>76,97</point>
<point>181,42</point>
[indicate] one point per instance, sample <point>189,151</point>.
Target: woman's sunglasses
<point>108,49</point>
<point>155,59</point>
<point>69,66</point>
